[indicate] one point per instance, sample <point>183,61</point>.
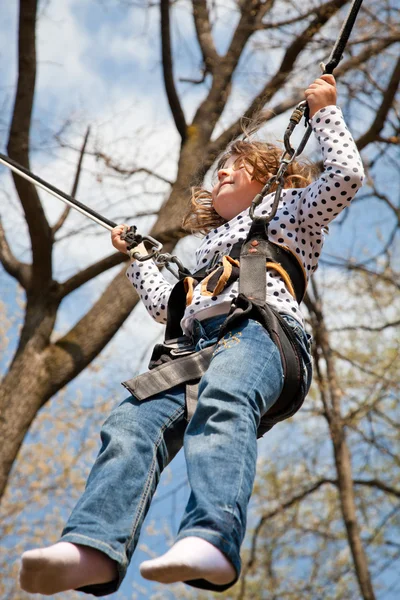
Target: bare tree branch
<point>170,88</point>
<point>128,172</point>
<point>386,104</point>
<point>278,24</point>
<point>323,14</point>
<point>204,35</point>
<point>391,279</point>
<point>294,98</point>
<point>18,149</point>
<point>211,108</point>
<point>91,272</point>
<point>114,165</point>
<point>376,444</point>
<point>20,271</point>
<point>365,328</point>
<point>67,209</point>
<point>69,355</point>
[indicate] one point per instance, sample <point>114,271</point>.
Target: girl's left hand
<point>116,241</point>
<point>321,93</point>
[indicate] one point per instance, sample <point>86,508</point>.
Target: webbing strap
<point>253,257</point>
<point>187,368</point>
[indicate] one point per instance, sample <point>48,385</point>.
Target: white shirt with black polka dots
<point>298,225</point>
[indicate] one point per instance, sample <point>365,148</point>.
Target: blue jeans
<point>139,439</point>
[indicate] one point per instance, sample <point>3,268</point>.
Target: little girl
<point>242,382</point>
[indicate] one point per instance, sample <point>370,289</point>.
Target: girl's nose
<point>222,173</point>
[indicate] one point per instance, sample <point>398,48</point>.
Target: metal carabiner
<point>258,199</point>
<point>165,260</point>
<point>157,247</point>
<point>275,179</point>
<point>294,120</point>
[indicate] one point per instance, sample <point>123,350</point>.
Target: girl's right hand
<point>116,241</point>
<point>321,93</point>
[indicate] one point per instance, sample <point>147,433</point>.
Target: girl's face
<point>234,190</point>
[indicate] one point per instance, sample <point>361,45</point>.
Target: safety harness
<point>176,361</point>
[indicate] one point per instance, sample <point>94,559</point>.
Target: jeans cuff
<point>99,589</point>
<point>224,546</point>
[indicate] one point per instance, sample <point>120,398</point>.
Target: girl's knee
<point>144,426</point>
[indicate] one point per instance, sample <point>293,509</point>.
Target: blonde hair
<point>261,160</point>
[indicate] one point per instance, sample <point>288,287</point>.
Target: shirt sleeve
<point>152,287</point>
<point>305,213</point>
<point>342,174</point>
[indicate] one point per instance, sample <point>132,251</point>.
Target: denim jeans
<point>139,439</point>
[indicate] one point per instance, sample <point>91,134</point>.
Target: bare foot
<point>64,566</point>
<point>190,558</point>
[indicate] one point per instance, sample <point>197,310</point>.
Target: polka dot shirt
<point>298,224</point>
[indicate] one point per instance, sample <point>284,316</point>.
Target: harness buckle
<point>180,346</point>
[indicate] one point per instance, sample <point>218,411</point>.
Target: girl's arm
<point>343,172</point>
<point>153,289</point>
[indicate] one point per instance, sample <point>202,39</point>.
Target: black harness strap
<point>253,258</point>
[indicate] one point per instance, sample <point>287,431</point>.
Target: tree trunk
<point>331,394</point>
<point>21,395</point>
<point>41,368</point>
<point>27,381</point>
<point>348,508</point>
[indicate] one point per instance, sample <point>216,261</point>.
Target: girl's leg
<point>138,441</point>
<point>243,381</point>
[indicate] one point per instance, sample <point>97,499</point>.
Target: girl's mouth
<point>225,183</point>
